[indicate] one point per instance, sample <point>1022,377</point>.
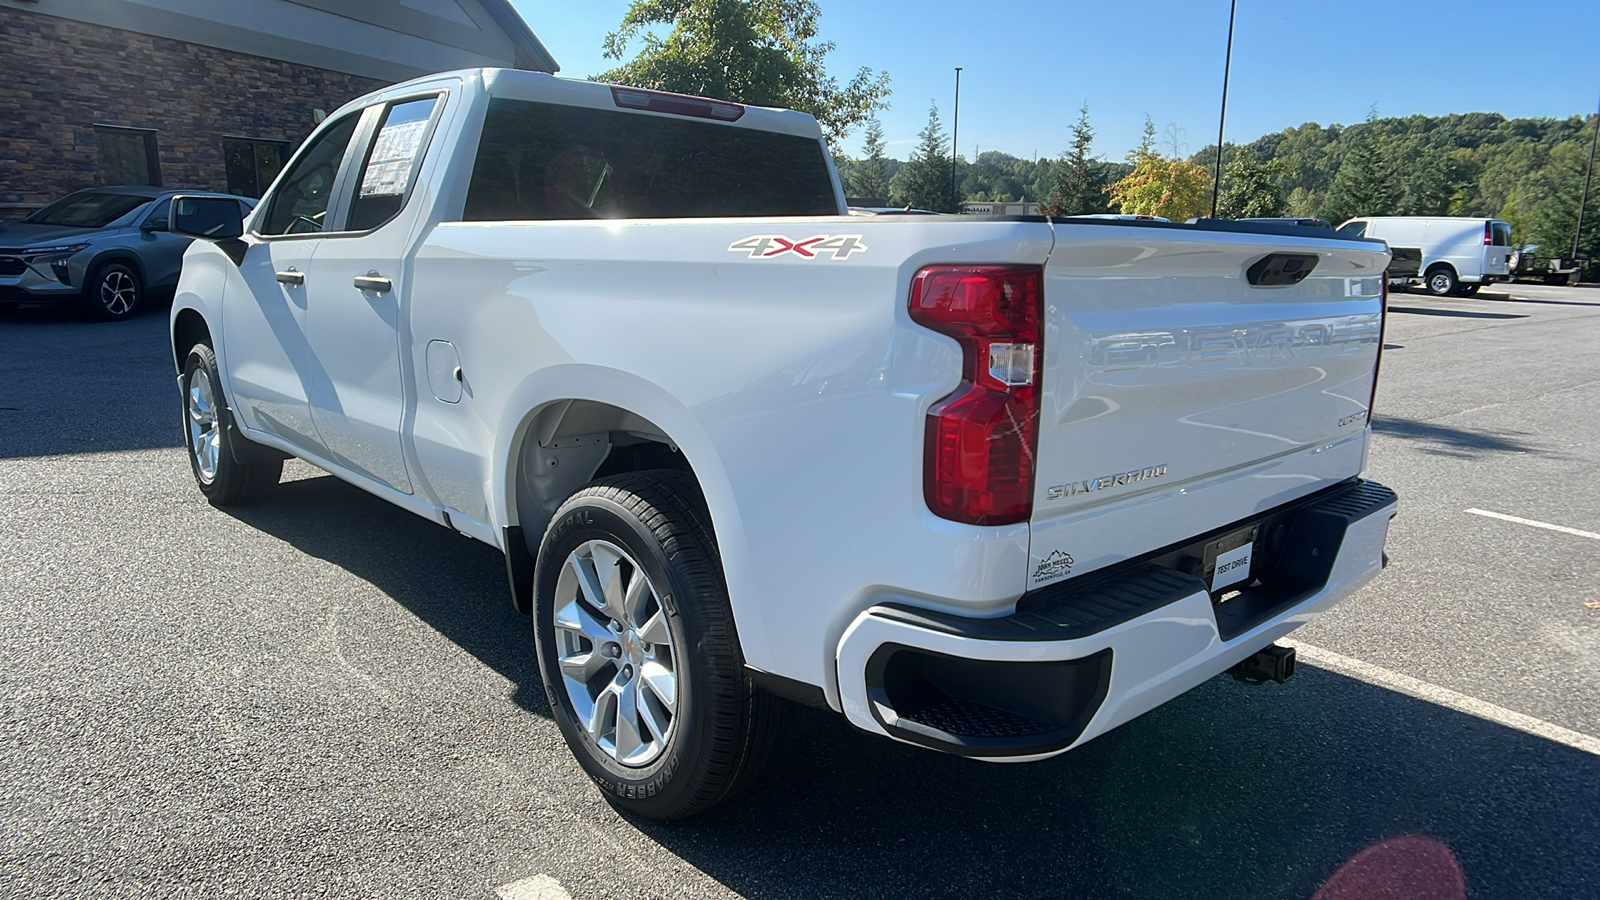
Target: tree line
<point>1528,172</point>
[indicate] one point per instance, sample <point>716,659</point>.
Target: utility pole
<point>1227,63</point>
<point>1586,173</point>
<point>955,132</point>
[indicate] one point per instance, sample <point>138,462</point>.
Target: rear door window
<point>1501,234</point>
<point>391,164</point>
<point>545,161</point>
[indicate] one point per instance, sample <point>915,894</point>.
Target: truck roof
<point>519,84</point>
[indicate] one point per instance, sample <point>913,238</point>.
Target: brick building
<point>211,94</point>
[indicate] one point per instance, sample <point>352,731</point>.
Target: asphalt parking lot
<point>325,696</point>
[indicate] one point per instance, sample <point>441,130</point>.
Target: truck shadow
<point>1227,792</point>
<point>1454,313</point>
<point>1444,440</point>
<point>455,584</point>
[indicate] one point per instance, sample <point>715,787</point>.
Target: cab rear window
<point>546,161</point>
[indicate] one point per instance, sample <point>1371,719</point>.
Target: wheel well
<point>189,329</point>
<point>1441,265</point>
<point>570,443</point>
<point>131,260</point>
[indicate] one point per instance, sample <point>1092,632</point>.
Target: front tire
<point>113,293</point>
<point>210,435</point>
<point>638,652</point>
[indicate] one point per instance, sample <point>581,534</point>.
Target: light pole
<point>1227,63</point>
<point>1586,173</point>
<point>955,133</point>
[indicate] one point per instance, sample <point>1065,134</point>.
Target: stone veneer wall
<point>58,78</point>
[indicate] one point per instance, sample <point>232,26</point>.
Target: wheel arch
<point>189,327</point>
<point>581,422</point>
<point>115,255</point>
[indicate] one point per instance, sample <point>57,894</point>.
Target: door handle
<point>293,276</point>
<point>372,281</point>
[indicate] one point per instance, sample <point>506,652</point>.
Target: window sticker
<point>393,155</point>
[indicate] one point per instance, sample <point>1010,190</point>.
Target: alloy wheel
<point>615,651</point>
<point>205,429</point>
<point>118,292</point>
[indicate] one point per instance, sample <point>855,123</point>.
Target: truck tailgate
<point>1169,376</point>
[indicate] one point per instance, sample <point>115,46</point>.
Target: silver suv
<point>104,248</point>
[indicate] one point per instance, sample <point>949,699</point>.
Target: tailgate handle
<point>1277,269</point>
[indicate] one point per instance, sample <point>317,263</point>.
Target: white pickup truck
<point>988,486</point>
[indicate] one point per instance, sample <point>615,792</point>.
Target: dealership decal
<point>1057,565</point>
<point>768,246</point>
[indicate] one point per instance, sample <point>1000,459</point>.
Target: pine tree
<point>1079,188</point>
<point>924,182</point>
<point>1364,185</point>
<point>870,174</point>
<point>1147,141</point>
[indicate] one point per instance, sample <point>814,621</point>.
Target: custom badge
<point>771,246</point>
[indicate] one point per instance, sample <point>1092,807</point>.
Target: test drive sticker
<point>769,246</point>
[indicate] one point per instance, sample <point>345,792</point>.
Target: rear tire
<point>213,442</point>
<point>1442,281</point>
<point>643,672</point>
<point>113,292</point>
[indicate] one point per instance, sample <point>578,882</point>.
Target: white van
<point>1458,254</point>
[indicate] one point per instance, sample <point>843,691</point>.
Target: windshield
<point>88,209</point>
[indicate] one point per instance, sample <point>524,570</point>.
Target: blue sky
<point>1029,64</point>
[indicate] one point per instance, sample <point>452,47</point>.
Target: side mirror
<point>207,218</point>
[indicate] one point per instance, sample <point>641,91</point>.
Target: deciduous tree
<point>1174,189</point>
<point>761,52</point>
<point>1249,188</point>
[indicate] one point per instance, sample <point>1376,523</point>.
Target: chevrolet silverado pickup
<point>991,487</point>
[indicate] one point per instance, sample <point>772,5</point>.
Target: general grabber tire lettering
<point>638,651</point>
<point>212,440</point>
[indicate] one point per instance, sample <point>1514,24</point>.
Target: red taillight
<point>1383,324</point>
<point>978,464</point>
<point>1488,234</point>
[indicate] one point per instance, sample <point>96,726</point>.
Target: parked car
<point>1459,254</point>
<point>988,486</point>
<point>104,248</point>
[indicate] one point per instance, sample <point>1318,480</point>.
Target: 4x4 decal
<point>767,246</point>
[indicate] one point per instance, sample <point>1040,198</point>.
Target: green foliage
<point>1249,189</point>
<point>1079,185</point>
<point>924,182</point>
<point>760,52</point>
<point>869,176</point>
<point>1365,183</point>
<point>1174,189</point>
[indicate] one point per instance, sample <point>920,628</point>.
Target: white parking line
<point>539,887</point>
<point>1521,521</point>
<point>1445,697</point>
